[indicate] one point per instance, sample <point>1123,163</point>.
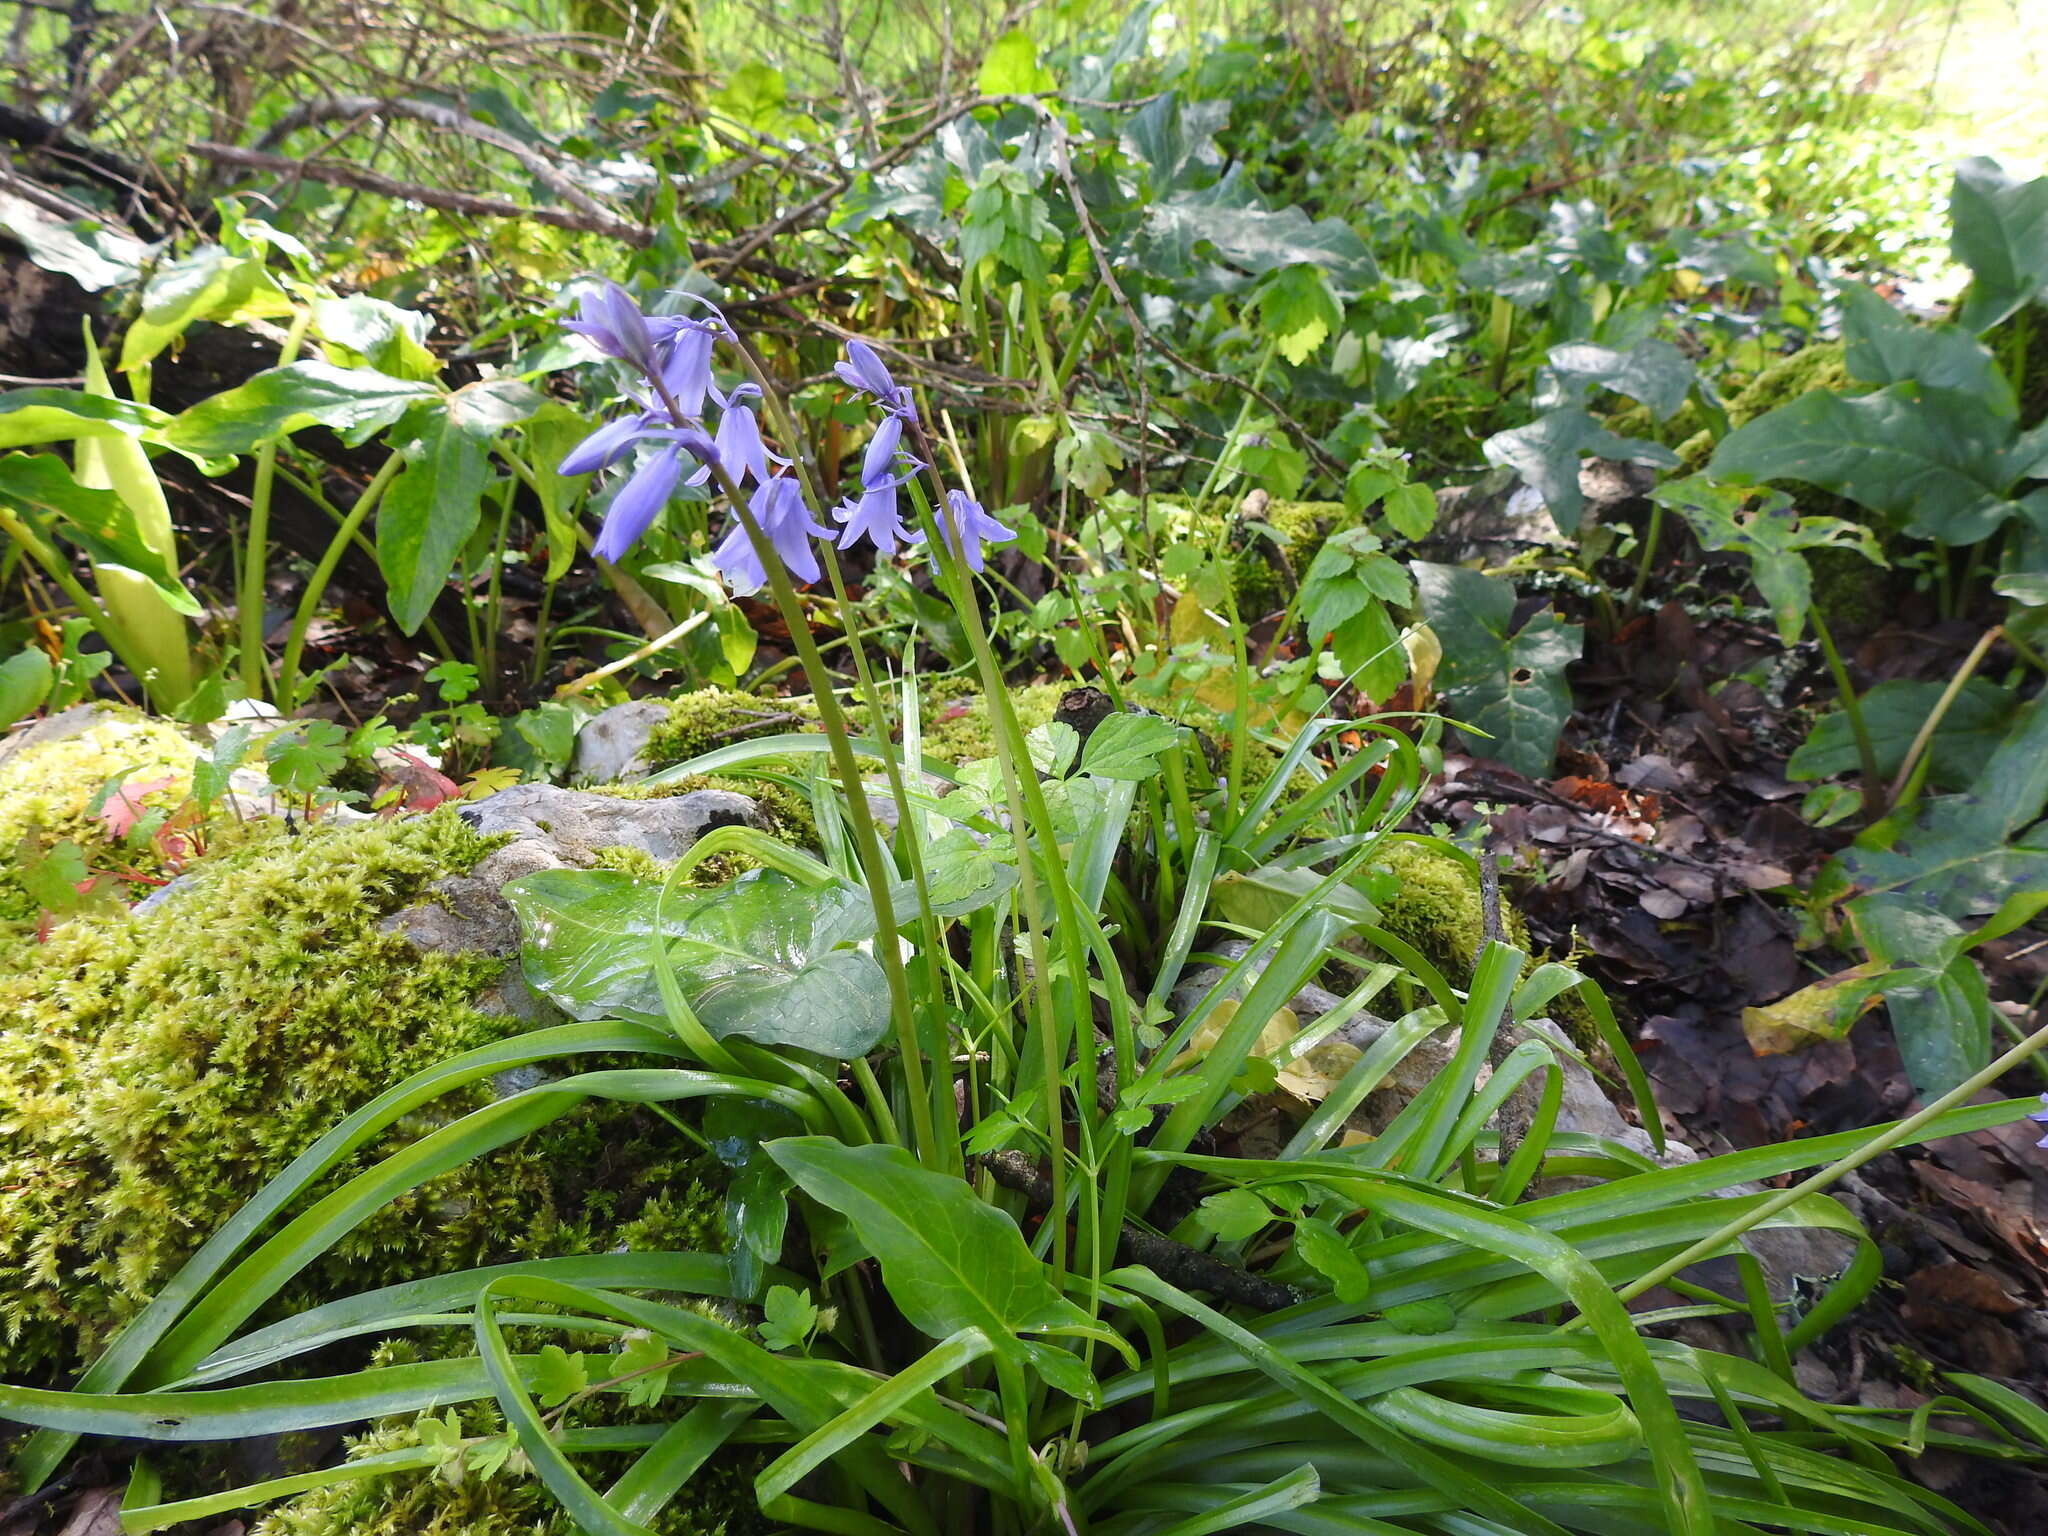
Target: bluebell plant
<point>673,355</point>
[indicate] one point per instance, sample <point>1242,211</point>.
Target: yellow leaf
<point>1823,1011</point>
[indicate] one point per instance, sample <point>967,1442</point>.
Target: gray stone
<point>609,745</point>
<point>577,823</point>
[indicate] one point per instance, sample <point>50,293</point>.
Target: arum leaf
<point>1942,461</point>
<point>1652,371</point>
<point>1885,346</point>
<point>428,515</point>
<point>755,958</point>
<point>36,417</point>
<point>209,284</point>
<point>949,1260</point>
<point>1511,685</point>
<point>1893,713</point>
<point>2000,232</point>
<point>40,487</point>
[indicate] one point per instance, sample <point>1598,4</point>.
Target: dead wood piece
<point>331,174</point>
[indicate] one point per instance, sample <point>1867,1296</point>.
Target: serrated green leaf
<point>1129,746</point>
<point>1297,311</point>
<point>1235,1215</point>
<point>304,757</point>
<point>1011,67</point>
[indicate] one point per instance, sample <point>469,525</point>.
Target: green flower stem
<point>1027,809</point>
<point>1077,342</point>
<point>316,584</point>
<point>1785,1199</point>
<point>867,846</point>
<point>933,937</point>
<point>1852,706</point>
<point>256,549</point>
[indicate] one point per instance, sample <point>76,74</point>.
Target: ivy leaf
<point>1297,311</point>
<point>1999,230</point>
<point>1652,371</point>
<point>787,1317</point>
<point>1547,452</point>
<point>1771,536</point>
<point>1507,683</point>
<point>303,758</point>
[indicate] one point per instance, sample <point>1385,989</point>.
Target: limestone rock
<point>577,823</point>
<point>612,746</point>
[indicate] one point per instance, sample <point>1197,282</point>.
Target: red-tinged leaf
<point>124,806</point>
<point>422,785</point>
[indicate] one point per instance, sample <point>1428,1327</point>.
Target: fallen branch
<point>329,173</point>
<point>1188,1268</point>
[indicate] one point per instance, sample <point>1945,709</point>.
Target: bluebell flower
<point>738,443</point>
<point>2040,1117</point>
<point>638,503</point>
<point>863,371</point>
<point>610,320</point>
<point>610,443</point>
<point>778,507</point>
<point>685,372</point>
<point>873,515</point>
<point>965,527</point>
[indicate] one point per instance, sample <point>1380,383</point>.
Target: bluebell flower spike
<point>778,508</point>
<point>863,372</point>
<point>638,503</point>
<point>966,528</point>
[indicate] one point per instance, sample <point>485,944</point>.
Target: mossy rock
<point>959,730</point>
<point>1264,571</point>
<point>1820,366</point>
<point>708,718</point>
<point>47,788</point>
<point>157,1068</point>
<point>1436,907</point>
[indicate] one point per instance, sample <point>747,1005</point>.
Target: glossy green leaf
<point>757,958</point>
<point>25,681</point>
<point>1941,461</point>
<point>1894,712</point>
<point>428,515</point>
<point>209,284</point>
<point>1887,346</point>
<point>1510,685</point>
<point>98,521</point>
<point>354,402</point>
<point>1011,67</point>
<point>32,417</point>
<point>951,1261</point>
<point>1999,230</point>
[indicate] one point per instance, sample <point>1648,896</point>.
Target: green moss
<point>46,792</point>
<point>1681,426</point>
<point>1435,906</point>
<point>960,732</point>
<point>717,1501</point>
<point>159,1068</point>
<point>1820,366</point>
<point>1261,569</point>
<point>710,718</point>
